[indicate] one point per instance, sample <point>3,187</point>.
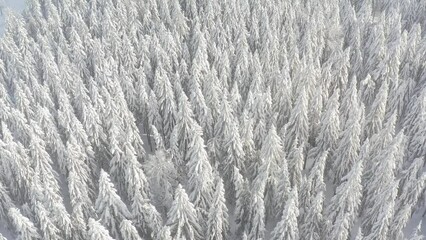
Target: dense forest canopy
<point>189,119</point>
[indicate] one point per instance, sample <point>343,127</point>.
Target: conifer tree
<point>287,227</point>
<point>182,217</point>
<point>298,124</point>
<point>347,150</point>
<point>48,229</point>
<point>200,177</point>
<point>217,223</point>
<point>329,129</point>
<point>412,184</point>
<point>128,231</point>
<point>271,164</point>
<point>182,132</point>
<point>109,206</point>
<point>313,222</point>
<point>97,231</point>
<point>256,216</point>
<point>382,190</point>
<point>5,202</point>
<point>166,103</point>
<point>23,226</point>
<point>343,207</point>
<point>375,117</point>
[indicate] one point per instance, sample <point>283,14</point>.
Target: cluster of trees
<point>169,119</point>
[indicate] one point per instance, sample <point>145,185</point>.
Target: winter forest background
<point>245,119</point>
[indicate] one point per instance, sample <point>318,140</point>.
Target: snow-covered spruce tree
<point>256,217</point>
<point>346,153</point>
<point>5,203</point>
<point>200,176</point>
<point>412,183</point>
<point>182,131</point>
<point>78,181</point>
<point>109,206</point>
<point>23,226</point>
<point>298,124</point>
<point>296,161</point>
<point>287,227</point>
<point>329,129</point>
<point>48,229</point>
<point>182,217</point>
<point>382,191</point>
<point>166,103</point>
<point>312,226</point>
<point>376,114</point>
<point>217,223</point>
<point>128,231</point>
<point>343,207</point>
<point>242,194</point>
<point>311,188</point>
<point>97,231</point>
<point>268,172</point>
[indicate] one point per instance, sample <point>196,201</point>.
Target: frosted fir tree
<point>49,194</point>
<point>23,226</point>
<point>312,185</point>
<point>217,223</point>
<point>78,180</point>
<point>312,226</point>
<point>376,114</point>
<point>180,25</point>
<point>350,100</point>
<point>412,183</point>
<point>416,147</point>
<point>18,164</point>
<point>256,217</point>
<point>382,191</point>
<point>241,199</point>
<point>287,227</point>
<point>97,231</point>
<point>182,217</point>
<point>222,129</point>
<point>346,153</point>
<point>343,207</point>
<point>145,216</point>
<point>282,100</point>
<point>128,231</point>
<point>135,179</point>
<point>268,172</point>
<point>166,103</point>
<point>233,153</point>
<point>48,229</point>
<point>200,177</point>
<point>298,124</point>
<point>5,203</point>
<point>329,129</point>
<point>109,206</point>
<point>182,132</point>
<point>296,162</point>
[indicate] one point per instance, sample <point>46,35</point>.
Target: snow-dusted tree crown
<point>217,120</point>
